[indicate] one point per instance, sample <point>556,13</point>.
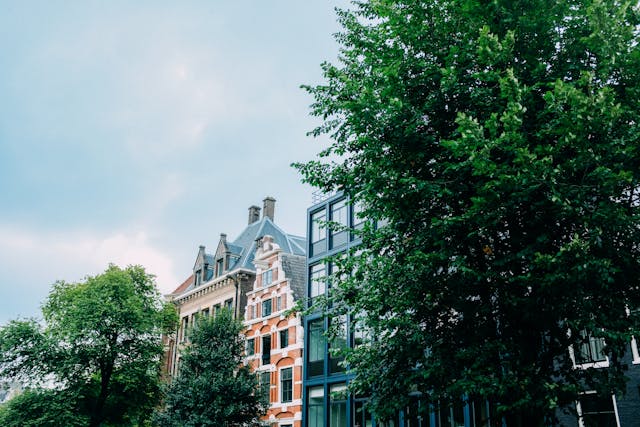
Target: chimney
<point>269,207</point>
<point>223,237</point>
<point>254,214</point>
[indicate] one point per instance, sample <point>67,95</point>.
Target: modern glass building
<point>324,379</point>
<point>325,401</point>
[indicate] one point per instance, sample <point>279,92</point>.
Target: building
<point>274,335</point>
<point>324,377</point>
<point>594,409</point>
<point>223,278</point>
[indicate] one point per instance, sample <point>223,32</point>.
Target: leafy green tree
<point>41,408</point>
<point>97,354</point>
<point>214,387</point>
<point>499,143</point>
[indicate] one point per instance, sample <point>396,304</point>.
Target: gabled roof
<point>245,245</point>
<point>243,249</point>
<point>184,285</point>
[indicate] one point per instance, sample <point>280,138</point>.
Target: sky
<point>131,132</point>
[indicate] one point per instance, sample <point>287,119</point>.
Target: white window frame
<point>587,365</point>
<point>634,351</point>
<point>579,409</point>
<point>280,388</point>
<point>267,274</point>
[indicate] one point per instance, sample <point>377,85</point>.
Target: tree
<point>214,387</point>
<point>41,408</point>
<point>499,143</point>
<point>96,355</point>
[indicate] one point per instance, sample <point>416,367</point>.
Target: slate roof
<point>245,244</point>
<point>294,267</point>
<point>243,250</point>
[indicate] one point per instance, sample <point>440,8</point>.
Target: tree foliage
<point>499,142</point>
<point>214,387</point>
<point>97,353</point>
<point>41,408</point>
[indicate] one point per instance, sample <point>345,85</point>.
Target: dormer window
<point>198,277</point>
<point>219,267</point>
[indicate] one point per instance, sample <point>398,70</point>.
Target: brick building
<point>274,336</point>
<point>223,278</point>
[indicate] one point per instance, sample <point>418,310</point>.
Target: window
<point>361,334</point>
<point>338,343</point>
<point>358,216</point>
<point>634,351</point>
<point>194,320</point>
<point>318,280</point>
<point>216,309</point>
<point>266,349</point>
<point>251,347</point>
<point>316,349</point>
<point>315,406</point>
<point>228,304</point>
<point>339,216</point>
<point>266,308</point>
<point>279,303</point>
<point>284,338</point>
<point>597,411</point>
<point>591,349</point>
<point>267,277</point>
<point>338,407</point>
<point>252,312</point>
<point>205,312</point>
<point>318,232</point>
<point>185,328</point>
<point>286,385</point>
<point>219,267</point>
<point>265,384</point>
<point>363,417</point>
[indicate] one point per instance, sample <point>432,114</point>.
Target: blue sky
<point>133,131</point>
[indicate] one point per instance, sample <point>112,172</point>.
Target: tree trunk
<point>106,369</point>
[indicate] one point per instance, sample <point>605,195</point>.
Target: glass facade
<point>316,348</point>
<point>315,407</point>
<point>325,378</point>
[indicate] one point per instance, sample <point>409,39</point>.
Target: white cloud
<point>39,259</point>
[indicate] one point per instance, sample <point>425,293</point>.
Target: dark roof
<point>243,250</point>
<point>294,269</point>
<point>245,244</point>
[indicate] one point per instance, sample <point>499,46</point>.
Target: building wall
<point>205,300</point>
<point>625,407</point>
<point>282,356</point>
<point>324,378</point>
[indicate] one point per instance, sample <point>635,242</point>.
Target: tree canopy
<point>96,355</point>
<point>213,387</point>
<point>498,142</point>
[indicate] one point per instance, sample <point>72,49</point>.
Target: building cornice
<point>212,285</point>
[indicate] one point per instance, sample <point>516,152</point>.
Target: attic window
<point>219,267</point>
<point>267,277</point>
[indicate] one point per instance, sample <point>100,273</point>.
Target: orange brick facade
<point>275,340</point>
